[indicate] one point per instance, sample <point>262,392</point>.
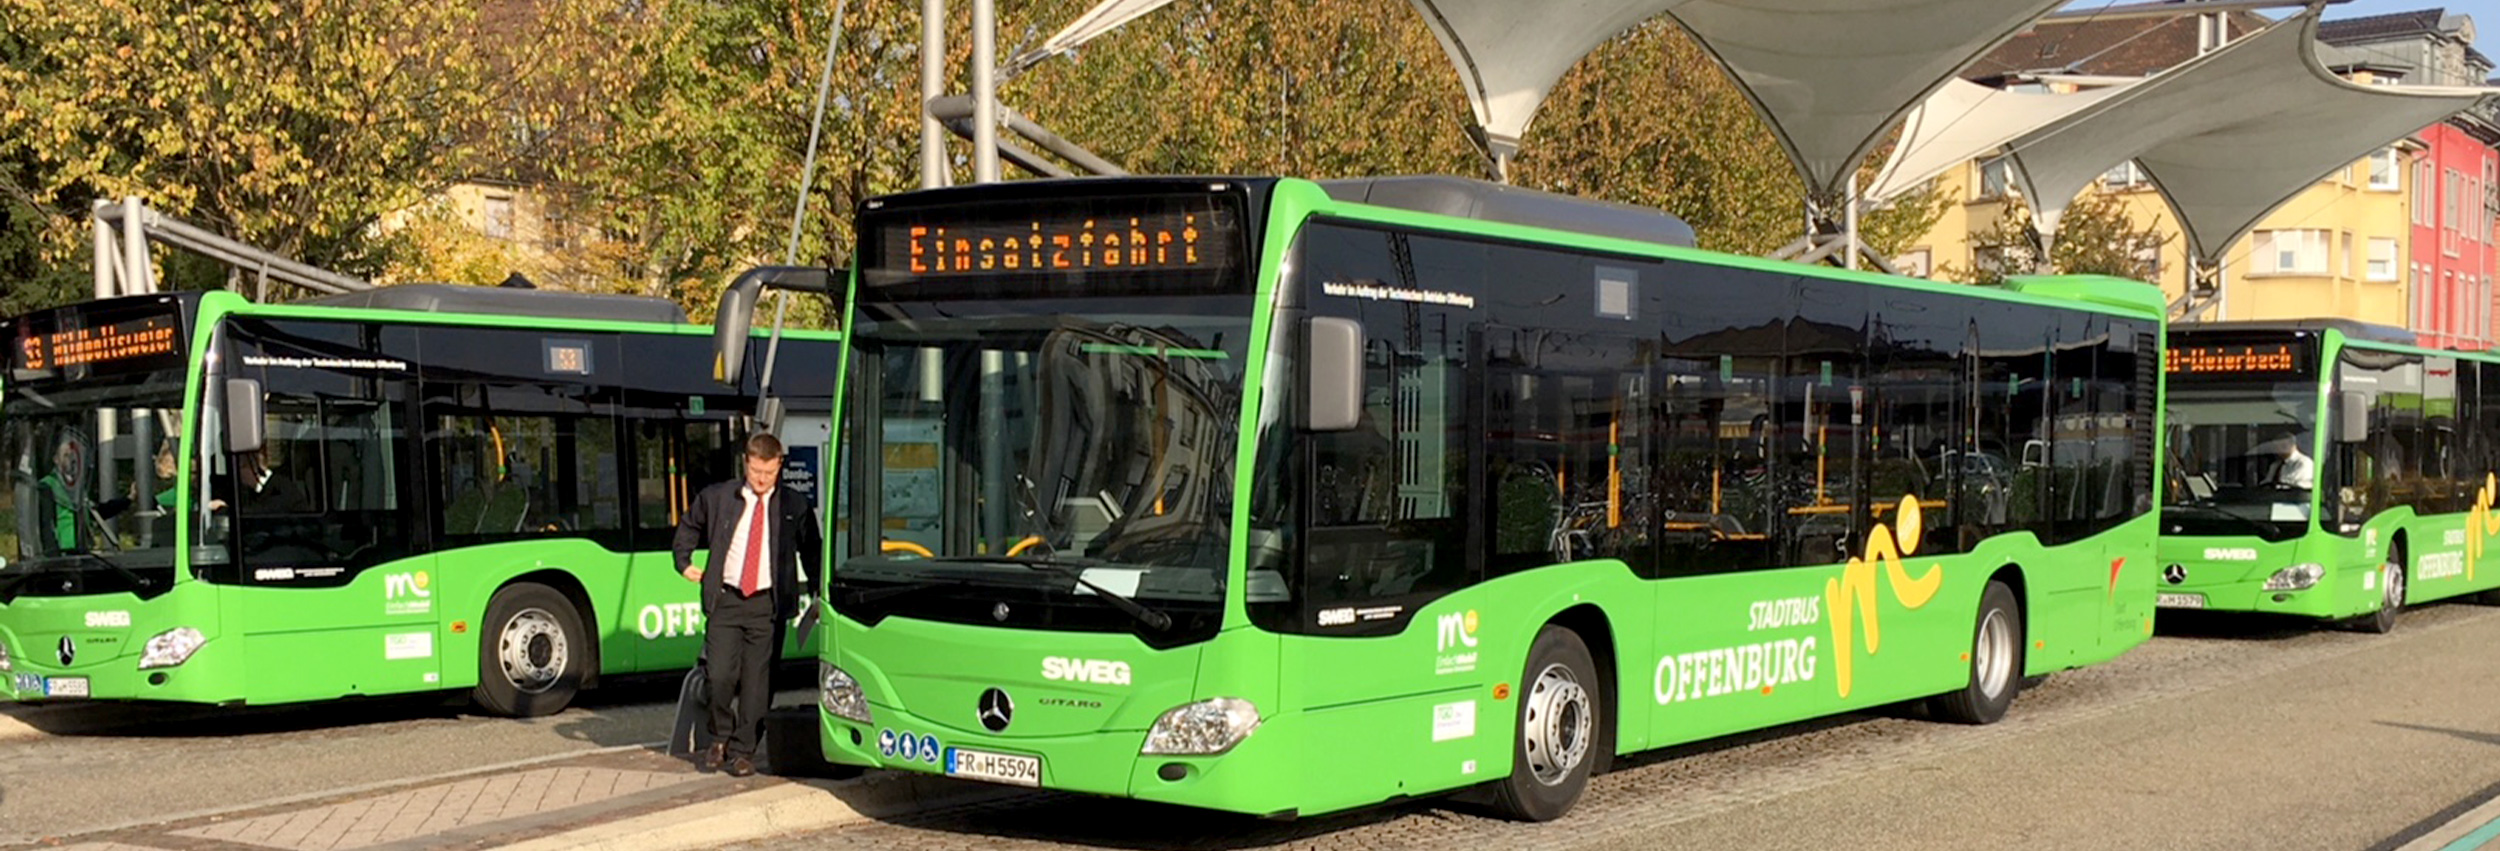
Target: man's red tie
<point>748,575</point>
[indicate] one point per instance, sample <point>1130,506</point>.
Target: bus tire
<point>2391,601</point>
<point>532,655</point>
<point>1996,662</point>
<point>1559,715</point>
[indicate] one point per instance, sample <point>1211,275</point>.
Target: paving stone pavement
<point>433,810</point>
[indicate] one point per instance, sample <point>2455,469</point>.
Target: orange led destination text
<point>2228,359</point>
<point>1045,249</point>
<point>98,345</point>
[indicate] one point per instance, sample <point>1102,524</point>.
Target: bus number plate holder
<point>994,767</point>
<point>2179,601</point>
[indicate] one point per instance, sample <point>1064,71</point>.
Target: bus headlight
<point>171,647</point>
<point>2296,577</point>
<point>1204,728</point>
<point>4,656</point>
<point>841,695</point>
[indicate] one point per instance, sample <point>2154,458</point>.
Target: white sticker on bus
<point>1454,721</point>
<point>99,620</point>
<point>408,645</point>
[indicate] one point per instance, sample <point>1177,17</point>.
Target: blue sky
<point>2486,14</point>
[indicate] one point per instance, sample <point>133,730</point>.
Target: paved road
<point>2220,733</point>
<point>94,767</point>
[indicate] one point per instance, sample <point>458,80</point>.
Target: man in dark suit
<point>754,587</point>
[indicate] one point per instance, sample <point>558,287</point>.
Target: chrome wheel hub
<point>1993,659</point>
<point>1556,732</point>
<point>533,650</point>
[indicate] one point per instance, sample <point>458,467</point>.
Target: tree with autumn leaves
<point>667,135</point>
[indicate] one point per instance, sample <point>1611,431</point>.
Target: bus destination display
<point>132,342</point>
<point>2234,359</point>
<point>1142,240</point>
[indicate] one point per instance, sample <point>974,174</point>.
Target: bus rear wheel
<point>1996,662</point>
<point>1559,719</point>
<point>531,659</point>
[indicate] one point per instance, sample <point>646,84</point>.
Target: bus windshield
<point>90,504</point>
<point>1035,463</point>
<point>2241,459</point>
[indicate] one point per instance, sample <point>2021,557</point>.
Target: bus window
<point>327,487</point>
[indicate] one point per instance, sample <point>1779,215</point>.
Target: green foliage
<point>665,137</point>
<point>2095,236</point>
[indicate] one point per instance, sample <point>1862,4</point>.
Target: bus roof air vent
<point>506,301</point>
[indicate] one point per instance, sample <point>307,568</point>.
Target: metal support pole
<point>933,166</point>
<point>105,254</point>
<point>135,277</point>
<point>985,91</point>
<point>1849,226</point>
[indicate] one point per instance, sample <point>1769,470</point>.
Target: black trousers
<point>740,639</point>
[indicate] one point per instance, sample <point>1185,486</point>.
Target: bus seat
<point>507,508</point>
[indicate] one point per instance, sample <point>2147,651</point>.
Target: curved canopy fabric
<point>1965,121</point>
<point>1829,76</point>
<point>2227,136</point>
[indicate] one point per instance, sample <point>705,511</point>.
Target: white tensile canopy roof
<point>1831,77</point>
<point>2228,136</point>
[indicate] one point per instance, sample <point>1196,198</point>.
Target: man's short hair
<point>763,446</point>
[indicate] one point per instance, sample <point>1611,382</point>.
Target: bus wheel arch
<point>533,647</point>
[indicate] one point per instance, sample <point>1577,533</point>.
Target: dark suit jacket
<point>713,519</point>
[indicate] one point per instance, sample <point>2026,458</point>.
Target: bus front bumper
<point>1248,779</point>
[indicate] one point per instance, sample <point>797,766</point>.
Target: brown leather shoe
<point>740,766</point>
<point>713,757</point>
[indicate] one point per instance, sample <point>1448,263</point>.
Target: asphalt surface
<point>2220,733</point>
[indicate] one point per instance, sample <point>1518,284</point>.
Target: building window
<point>2147,255</point>
<point>2290,252</point>
<point>2127,175</point>
<point>2422,193</point>
<point>1996,177</point>
<point>499,216</point>
<point>2451,211</point>
<point>2383,166</point>
<point>2343,262</point>
<point>2382,259</point>
<point>1915,263</point>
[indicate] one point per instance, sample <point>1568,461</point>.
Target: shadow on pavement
<point>2240,626</point>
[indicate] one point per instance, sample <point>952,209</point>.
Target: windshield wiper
<point>862,596</point>
<point>1150,617</point>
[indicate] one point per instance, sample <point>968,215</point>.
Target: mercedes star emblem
<point>69,651</point>
<point>999,612</point>
<point>2174,574</point>
<point>996,710</point>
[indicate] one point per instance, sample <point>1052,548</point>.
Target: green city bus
<point>1286,497</point>
<point>2326,469</point>
<point>407,489</point>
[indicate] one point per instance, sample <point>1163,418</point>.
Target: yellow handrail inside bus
<point>905,547</point>
<point>1023,545</point>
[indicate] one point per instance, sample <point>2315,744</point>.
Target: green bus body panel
<point>402,627</point>
<point>1347,722</point>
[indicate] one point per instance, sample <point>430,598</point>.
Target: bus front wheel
<point>1996,662</point>
<point>1559,716</point>
<point>2391,593</point>
<point>531,658</point>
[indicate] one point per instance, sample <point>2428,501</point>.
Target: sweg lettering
<point>1856,585</point>
<point>1097,671</point>
<point>1728,670</point>
<point>1793,611</point>
<point>671,620</point>
<point>2230,554</point>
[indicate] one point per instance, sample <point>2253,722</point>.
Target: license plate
<point>2179,601</point>
<point>994,767</point>
<point>65,687</point>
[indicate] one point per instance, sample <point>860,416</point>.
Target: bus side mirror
<point>1333,374</point>
<point>246,420</point>
<point>729,329</point>
<point>2352,416</point>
